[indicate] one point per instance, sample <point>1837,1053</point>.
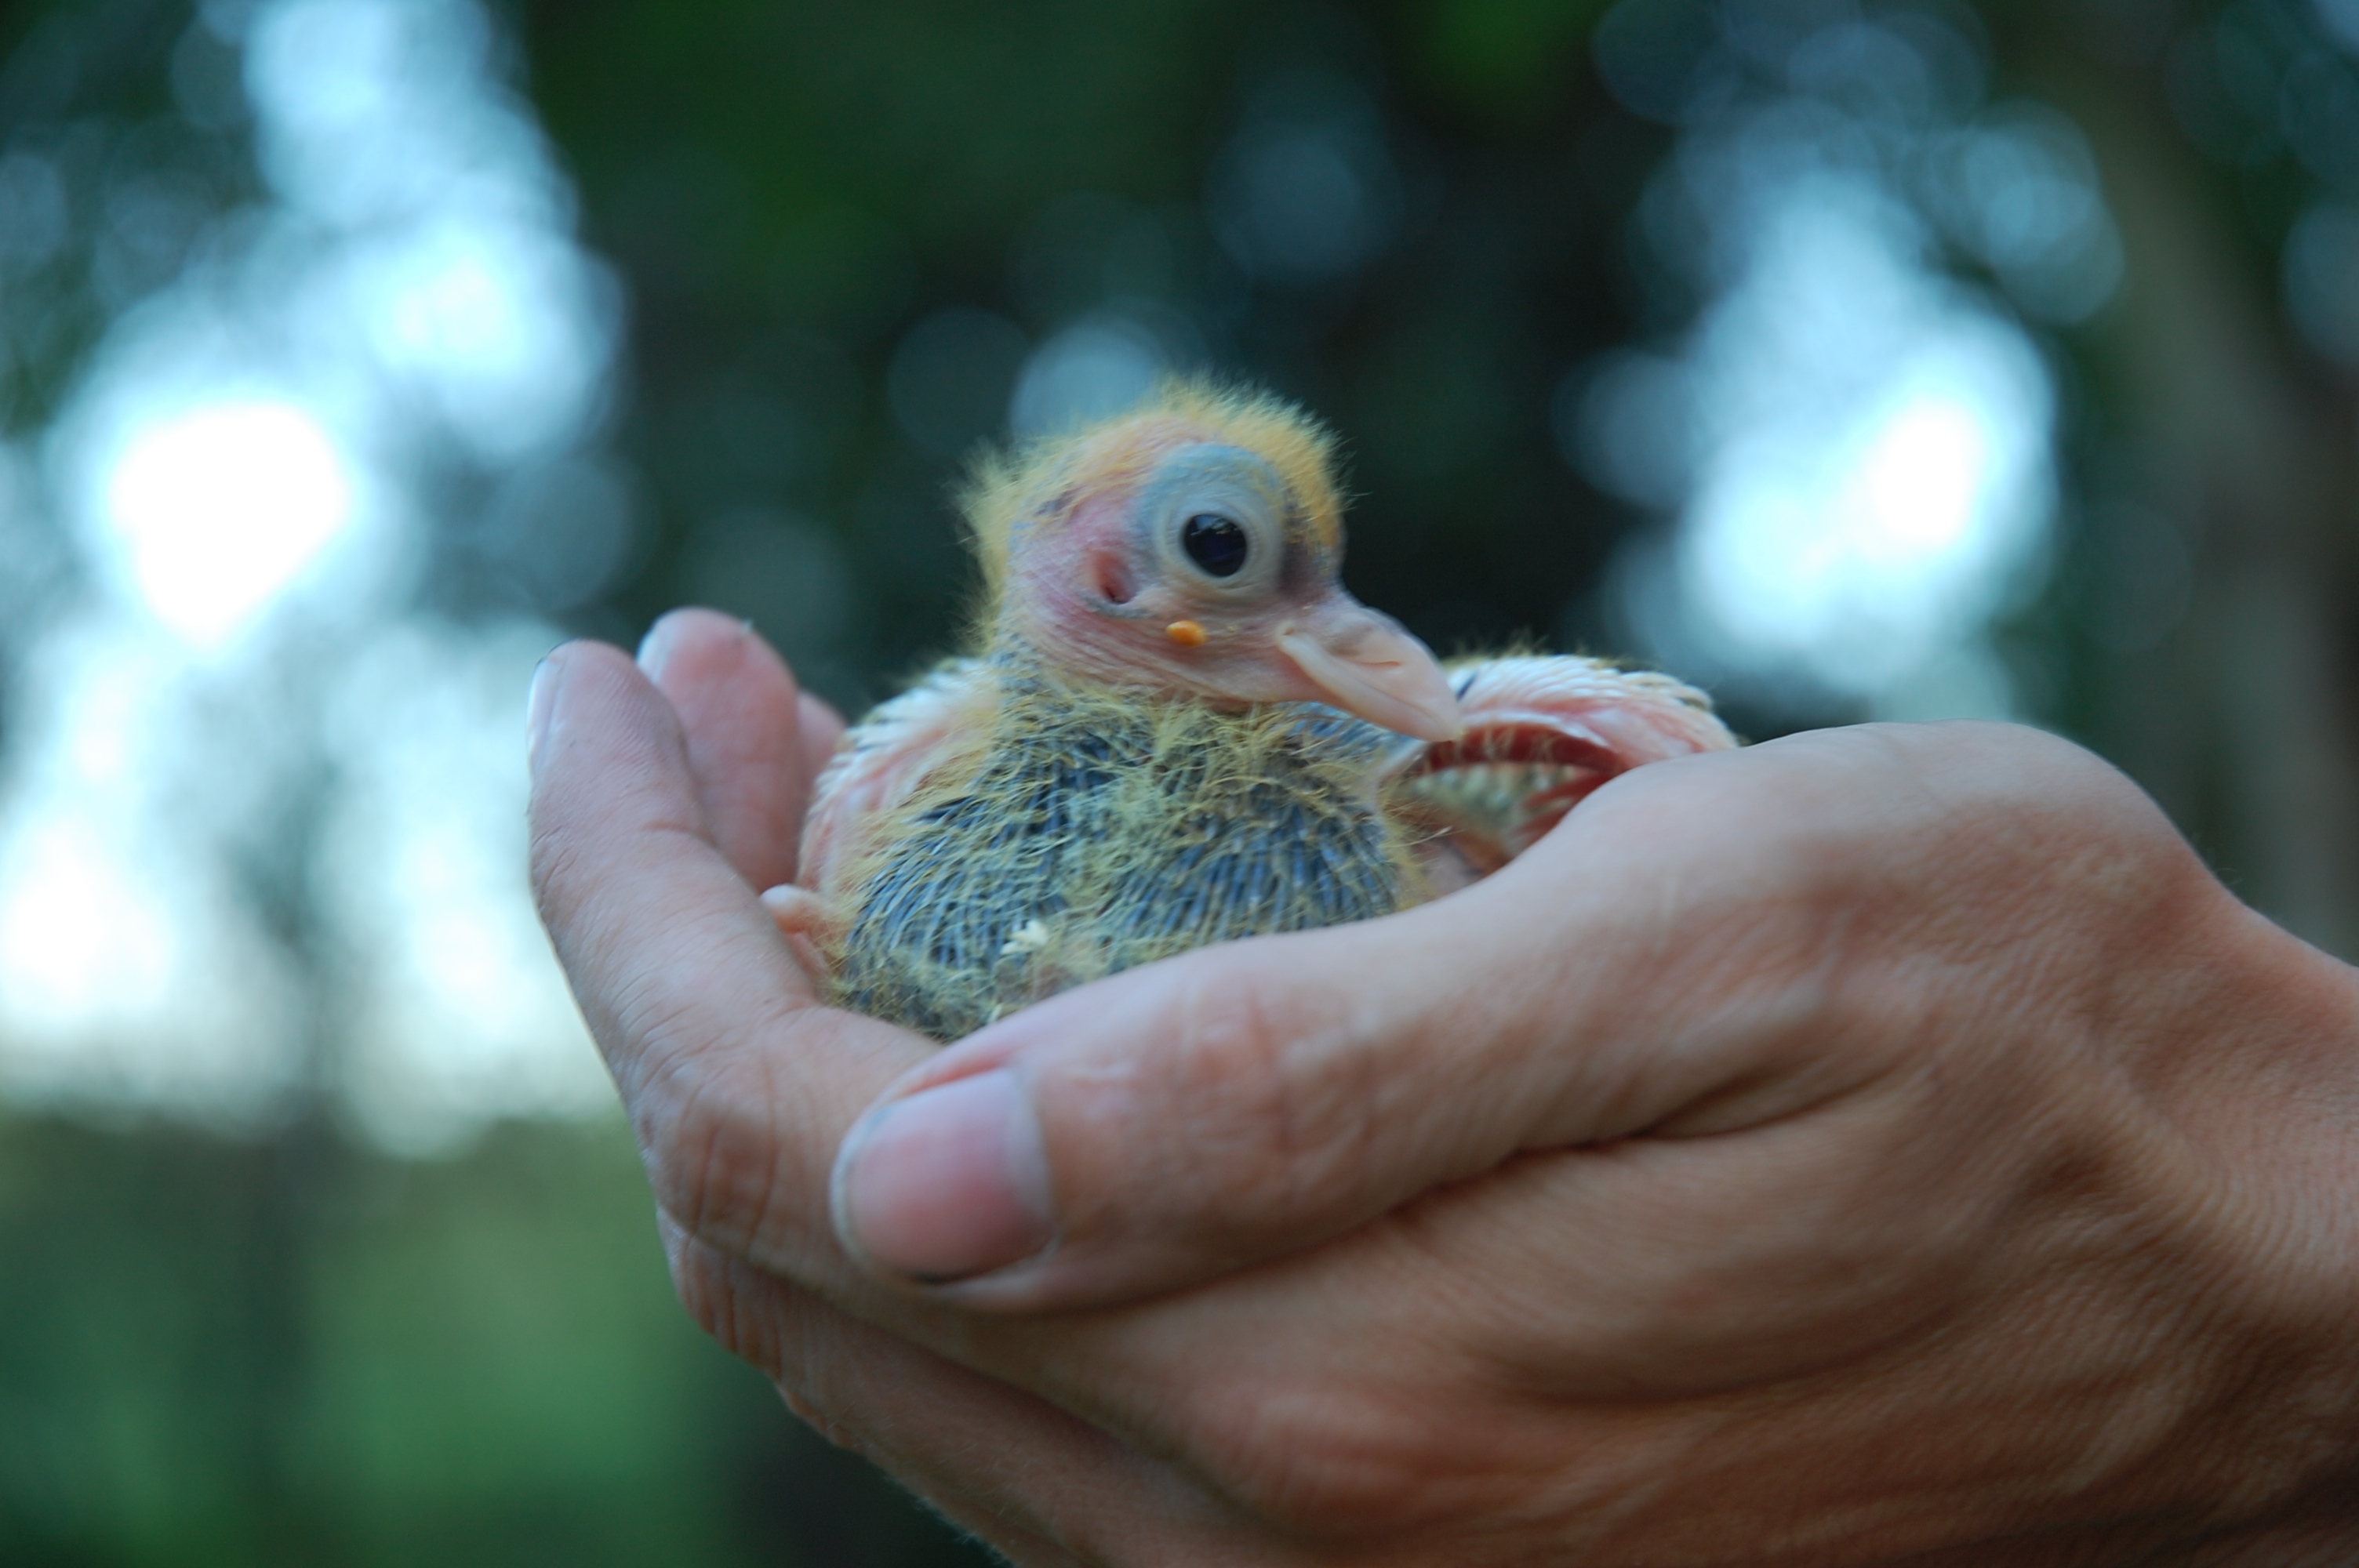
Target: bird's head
<point>1192,547</point>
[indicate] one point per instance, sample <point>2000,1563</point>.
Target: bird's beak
<point>1369,667</point>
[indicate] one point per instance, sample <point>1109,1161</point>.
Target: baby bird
<point>1179,729</point>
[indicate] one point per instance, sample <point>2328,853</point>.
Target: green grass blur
<point>292,1351</point>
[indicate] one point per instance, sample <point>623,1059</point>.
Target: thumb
<point>1192,1117</point>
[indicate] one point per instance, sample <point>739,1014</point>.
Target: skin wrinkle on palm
<point>2000,1175</point>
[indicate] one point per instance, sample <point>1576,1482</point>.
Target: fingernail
<point>535,713</point>
<point>948,1183</point>
<point>656,647</point>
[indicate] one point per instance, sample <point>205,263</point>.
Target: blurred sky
<point>358,350</point>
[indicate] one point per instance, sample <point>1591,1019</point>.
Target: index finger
<point>739,1080</point>
<point>745,721</point>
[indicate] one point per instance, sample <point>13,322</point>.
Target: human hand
<point>1881,1144</point>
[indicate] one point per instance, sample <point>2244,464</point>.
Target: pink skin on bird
<point>1087,585</point>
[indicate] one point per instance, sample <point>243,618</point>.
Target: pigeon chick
<point>1179,729</point>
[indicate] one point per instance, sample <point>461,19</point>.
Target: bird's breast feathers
<point>1092,830</point>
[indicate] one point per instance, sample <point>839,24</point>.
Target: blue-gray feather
<point>1093,836</point>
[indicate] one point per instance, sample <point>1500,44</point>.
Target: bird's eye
<point>1215,542</point>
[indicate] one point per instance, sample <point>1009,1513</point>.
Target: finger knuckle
<point>713,1288</point>
<point>1276,1111</point>
<point>553,853</point>
<point>710,1153</point>
<point>1318,1461</point>
<point>815,1416</point>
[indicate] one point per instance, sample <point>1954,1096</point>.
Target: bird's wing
<point>1541,733</point>
<point>885,757</point>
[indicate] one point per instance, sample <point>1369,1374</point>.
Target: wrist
<point>2261,1086</point>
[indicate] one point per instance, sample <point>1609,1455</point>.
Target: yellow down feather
<point>1010,489</point>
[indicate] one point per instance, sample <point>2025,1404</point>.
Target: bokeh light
<point>215,511</point>
<point>1856,445</point>
<point>263,815</point>
<point>2322,280</point>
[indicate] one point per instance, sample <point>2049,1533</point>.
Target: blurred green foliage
<point>292,1351</point>
<point>788,187</point>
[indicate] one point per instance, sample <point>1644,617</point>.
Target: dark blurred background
<point>1858,359</point>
